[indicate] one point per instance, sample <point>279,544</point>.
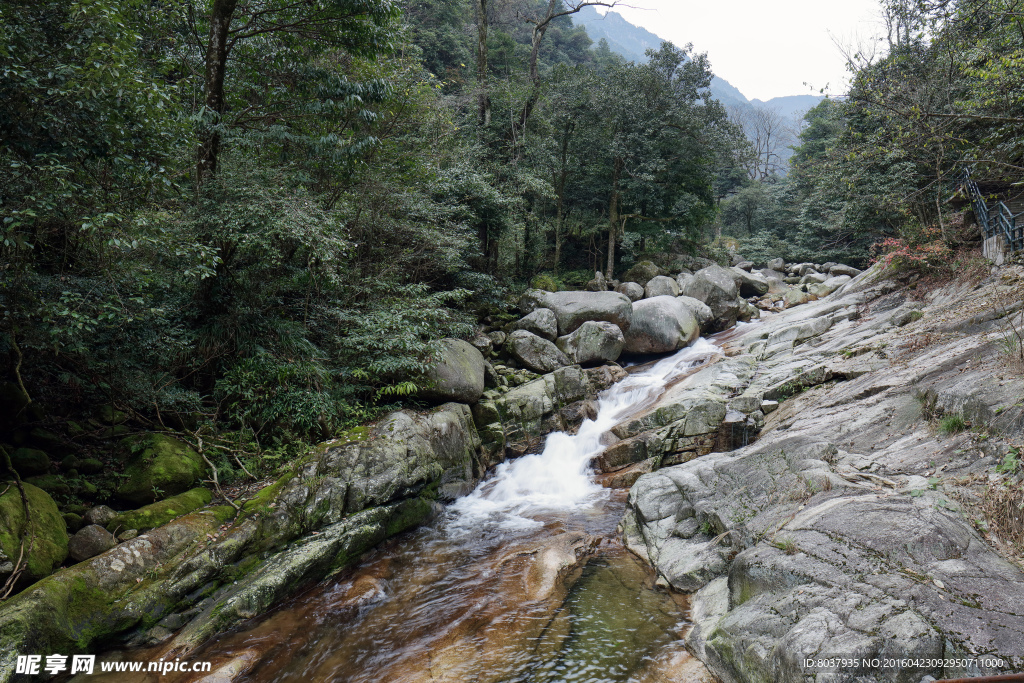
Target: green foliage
<point>1010,463</point>
<point>952,424</point>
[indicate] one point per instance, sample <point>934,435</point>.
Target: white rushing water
<point>559,478</point>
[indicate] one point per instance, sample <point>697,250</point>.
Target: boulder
<point>828,286</point>
<point>535,353</point>
<point>30,462</point>
<point>497,338</point>
<point>843,270</point>
<point>631,289</point>
<point>458,375</point>
<point>701,311</point>
<point>716,287</point>
<point>90,541</point>
<point>748,311</point>
<point>745,265</point>
<point>806,268</point>
<point>661,285</point>
<point>482,343</point>
<point>750,284</point>
<point>812,277</point>
<point>101,514</point>
<point>541,322</point>
<point>572,309</point>
<point>777,264</point>
<point>642,272</point>
<point>661,324</point>
<point>593,342</point>
<point>162,466</point>
<point>158,514</point>
<point>598,284</point>
<point>46,529</point>
<point>795,296</point>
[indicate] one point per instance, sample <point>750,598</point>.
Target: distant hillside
<point>790,105</point>
<point>632,41</point>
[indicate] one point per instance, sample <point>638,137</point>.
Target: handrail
<point>1002,221</point>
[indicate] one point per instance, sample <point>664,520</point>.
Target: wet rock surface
<point>843,529</point>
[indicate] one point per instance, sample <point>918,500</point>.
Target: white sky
<point>766,49</point>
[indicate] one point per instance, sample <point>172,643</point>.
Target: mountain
<point>632,41</point>
<point>790,105</point>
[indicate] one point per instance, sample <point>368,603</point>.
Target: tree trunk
<point>560,181</point>
<point>216,66</point>
<point>613,218</point>
<point>483,97</point>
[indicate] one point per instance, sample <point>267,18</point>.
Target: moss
<point>223,513</point>
<point>165,466</point>
<point>544,282</point>
<point>158,514</point>
<point>52,484</point>
<point>266,495</point>
<point>30,461</point>
<point>47,530</point>
<point>408,514</point>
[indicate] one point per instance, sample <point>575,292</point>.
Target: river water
<point>464,598</point>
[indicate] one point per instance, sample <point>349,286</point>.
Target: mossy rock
<point>90,466</point>
<point>158,514</point>
<point>13,405</point>
<point>111,416</point>
<point>545,282</point>
<point>30,462</point>
<point>162,466</point>
<point>46,529</point>
<point>73,521</point>
<point>49,442</point>
<point>52,484</point>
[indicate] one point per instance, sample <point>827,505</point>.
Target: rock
<point>806,268</point>
<point>46,529</point>
<point>750,284</point>
<point>777,264</point>
<point>482,343</point>
<point>747,311</point>
<point>701,311</point>
<point>598,284</point>
<point>632,290</point>
<point>458,374</point>
<point>642,272</point>
<point>716,287</point>
<point>497,338</point>
<point>745,265</point>
<point>541,322</point>
<point>127,535</point>
<point>661,324</point>
<point>52,484</point>
<point>73,521</point>
<point>812,278</point>
<point>161,466</point>
<point>101,514</point>
<point>30,462</point>
<point>90,466</point>
<point>536,353</point>
<point>572,309</point>
<point>90,541</point>
<point>593,342</point>
<point>158,514</point>
<point>514,423</point>
<point>795,296</point>
<point>843,270</point>
<point>661,286</point>
<point>830,285</point>
<point>111,416</point>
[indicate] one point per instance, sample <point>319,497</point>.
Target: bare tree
<point>768,135</point>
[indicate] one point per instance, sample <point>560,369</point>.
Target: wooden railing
<point>996,219</point>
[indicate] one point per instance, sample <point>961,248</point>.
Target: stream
<point>479,594</point>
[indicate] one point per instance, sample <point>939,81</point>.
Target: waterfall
<point>559,478</point>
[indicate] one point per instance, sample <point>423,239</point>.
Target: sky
<point>766,49</point>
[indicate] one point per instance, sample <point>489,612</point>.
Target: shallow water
<point>457,599</point>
